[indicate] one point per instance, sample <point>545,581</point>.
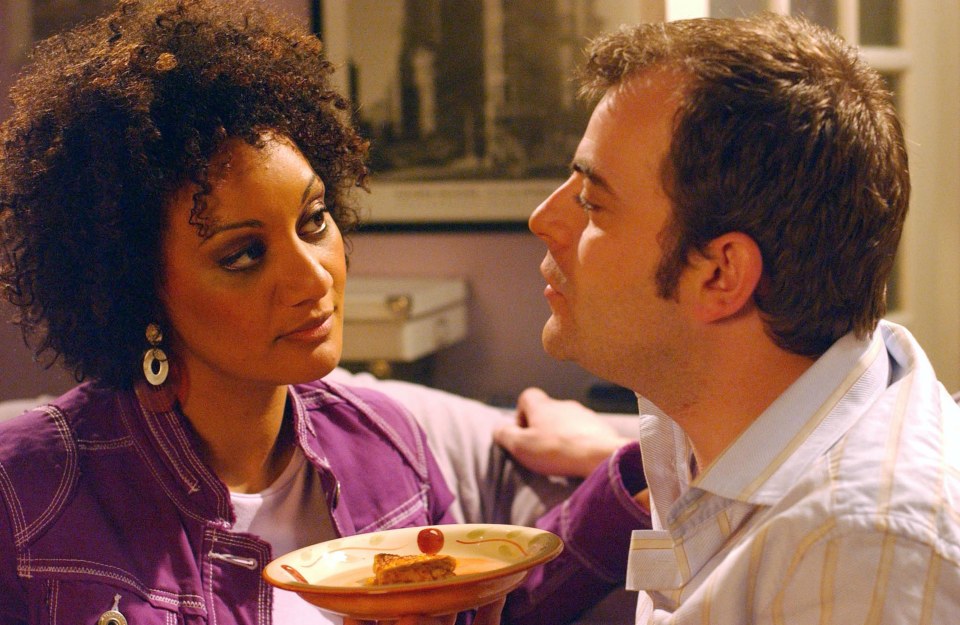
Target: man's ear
<point>726,276</point>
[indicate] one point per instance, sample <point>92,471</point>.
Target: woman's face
<point>257,300</point>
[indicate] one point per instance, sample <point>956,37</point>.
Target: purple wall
<point>502,353</point>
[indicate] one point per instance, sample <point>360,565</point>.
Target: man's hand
<point>557,437</point>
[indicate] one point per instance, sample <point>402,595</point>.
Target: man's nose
<point>559,219</point>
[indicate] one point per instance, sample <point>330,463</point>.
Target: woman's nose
<point>302,275</point>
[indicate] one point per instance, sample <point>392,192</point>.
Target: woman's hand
<point>486,615</point>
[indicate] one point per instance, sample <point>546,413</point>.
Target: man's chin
<point>555,343</point>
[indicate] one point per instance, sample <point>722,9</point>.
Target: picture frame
<point>471,106</point>
<point>53,16</point>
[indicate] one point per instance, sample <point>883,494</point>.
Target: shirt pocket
<point>74,602</point>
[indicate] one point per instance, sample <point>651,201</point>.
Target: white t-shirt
<point>291,513</point>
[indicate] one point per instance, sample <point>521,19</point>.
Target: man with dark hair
<point>722,247</point>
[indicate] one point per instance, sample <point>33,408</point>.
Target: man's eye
<point>245,258</point>
<point>582,202</point>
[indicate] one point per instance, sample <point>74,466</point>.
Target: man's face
<point>602,229</point>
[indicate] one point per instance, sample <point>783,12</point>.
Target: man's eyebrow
<point>217,228</point>
<point>590,173</point>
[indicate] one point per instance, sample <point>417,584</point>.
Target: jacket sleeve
<point>12,606</point>
<point>595,524</point>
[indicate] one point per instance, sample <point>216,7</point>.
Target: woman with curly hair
<point>174,187</point>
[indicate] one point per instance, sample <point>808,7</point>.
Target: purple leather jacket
<point>104,501</point>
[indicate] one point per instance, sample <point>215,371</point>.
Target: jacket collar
<point>168,444</point>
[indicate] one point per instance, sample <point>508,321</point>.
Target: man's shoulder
<point>895,472</point>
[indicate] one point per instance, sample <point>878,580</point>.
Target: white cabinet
<point>402,319</point>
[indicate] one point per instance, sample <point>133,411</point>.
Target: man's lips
<point>553,277</point>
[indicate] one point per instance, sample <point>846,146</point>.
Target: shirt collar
<point>799,427</point>
<point>801,424</point>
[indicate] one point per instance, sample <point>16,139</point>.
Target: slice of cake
<point>393,569</point>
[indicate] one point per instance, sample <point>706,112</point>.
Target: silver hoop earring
<point>155,365</point>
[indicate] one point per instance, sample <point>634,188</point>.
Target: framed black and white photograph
<point>471,106</point>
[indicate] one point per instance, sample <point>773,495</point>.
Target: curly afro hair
<point>108,121</point>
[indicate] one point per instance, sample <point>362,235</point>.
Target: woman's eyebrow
<point>217,228</point>
<point>314,182</point>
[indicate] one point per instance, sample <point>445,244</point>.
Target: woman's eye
<point>316,222</point>
<point>244,258</point>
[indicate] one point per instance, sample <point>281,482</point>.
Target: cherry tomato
<point>430,540</point>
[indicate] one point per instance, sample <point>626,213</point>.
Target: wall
<point>20,376</point>
<point>502,353</point>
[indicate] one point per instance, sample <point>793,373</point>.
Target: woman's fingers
<point>490,614</point>
<point>486,615</point>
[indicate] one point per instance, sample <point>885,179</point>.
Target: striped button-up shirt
<point>840,504</point>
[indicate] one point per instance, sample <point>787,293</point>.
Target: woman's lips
<point>315,329</point>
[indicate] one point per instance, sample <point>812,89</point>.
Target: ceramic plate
<point>335,575</point>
